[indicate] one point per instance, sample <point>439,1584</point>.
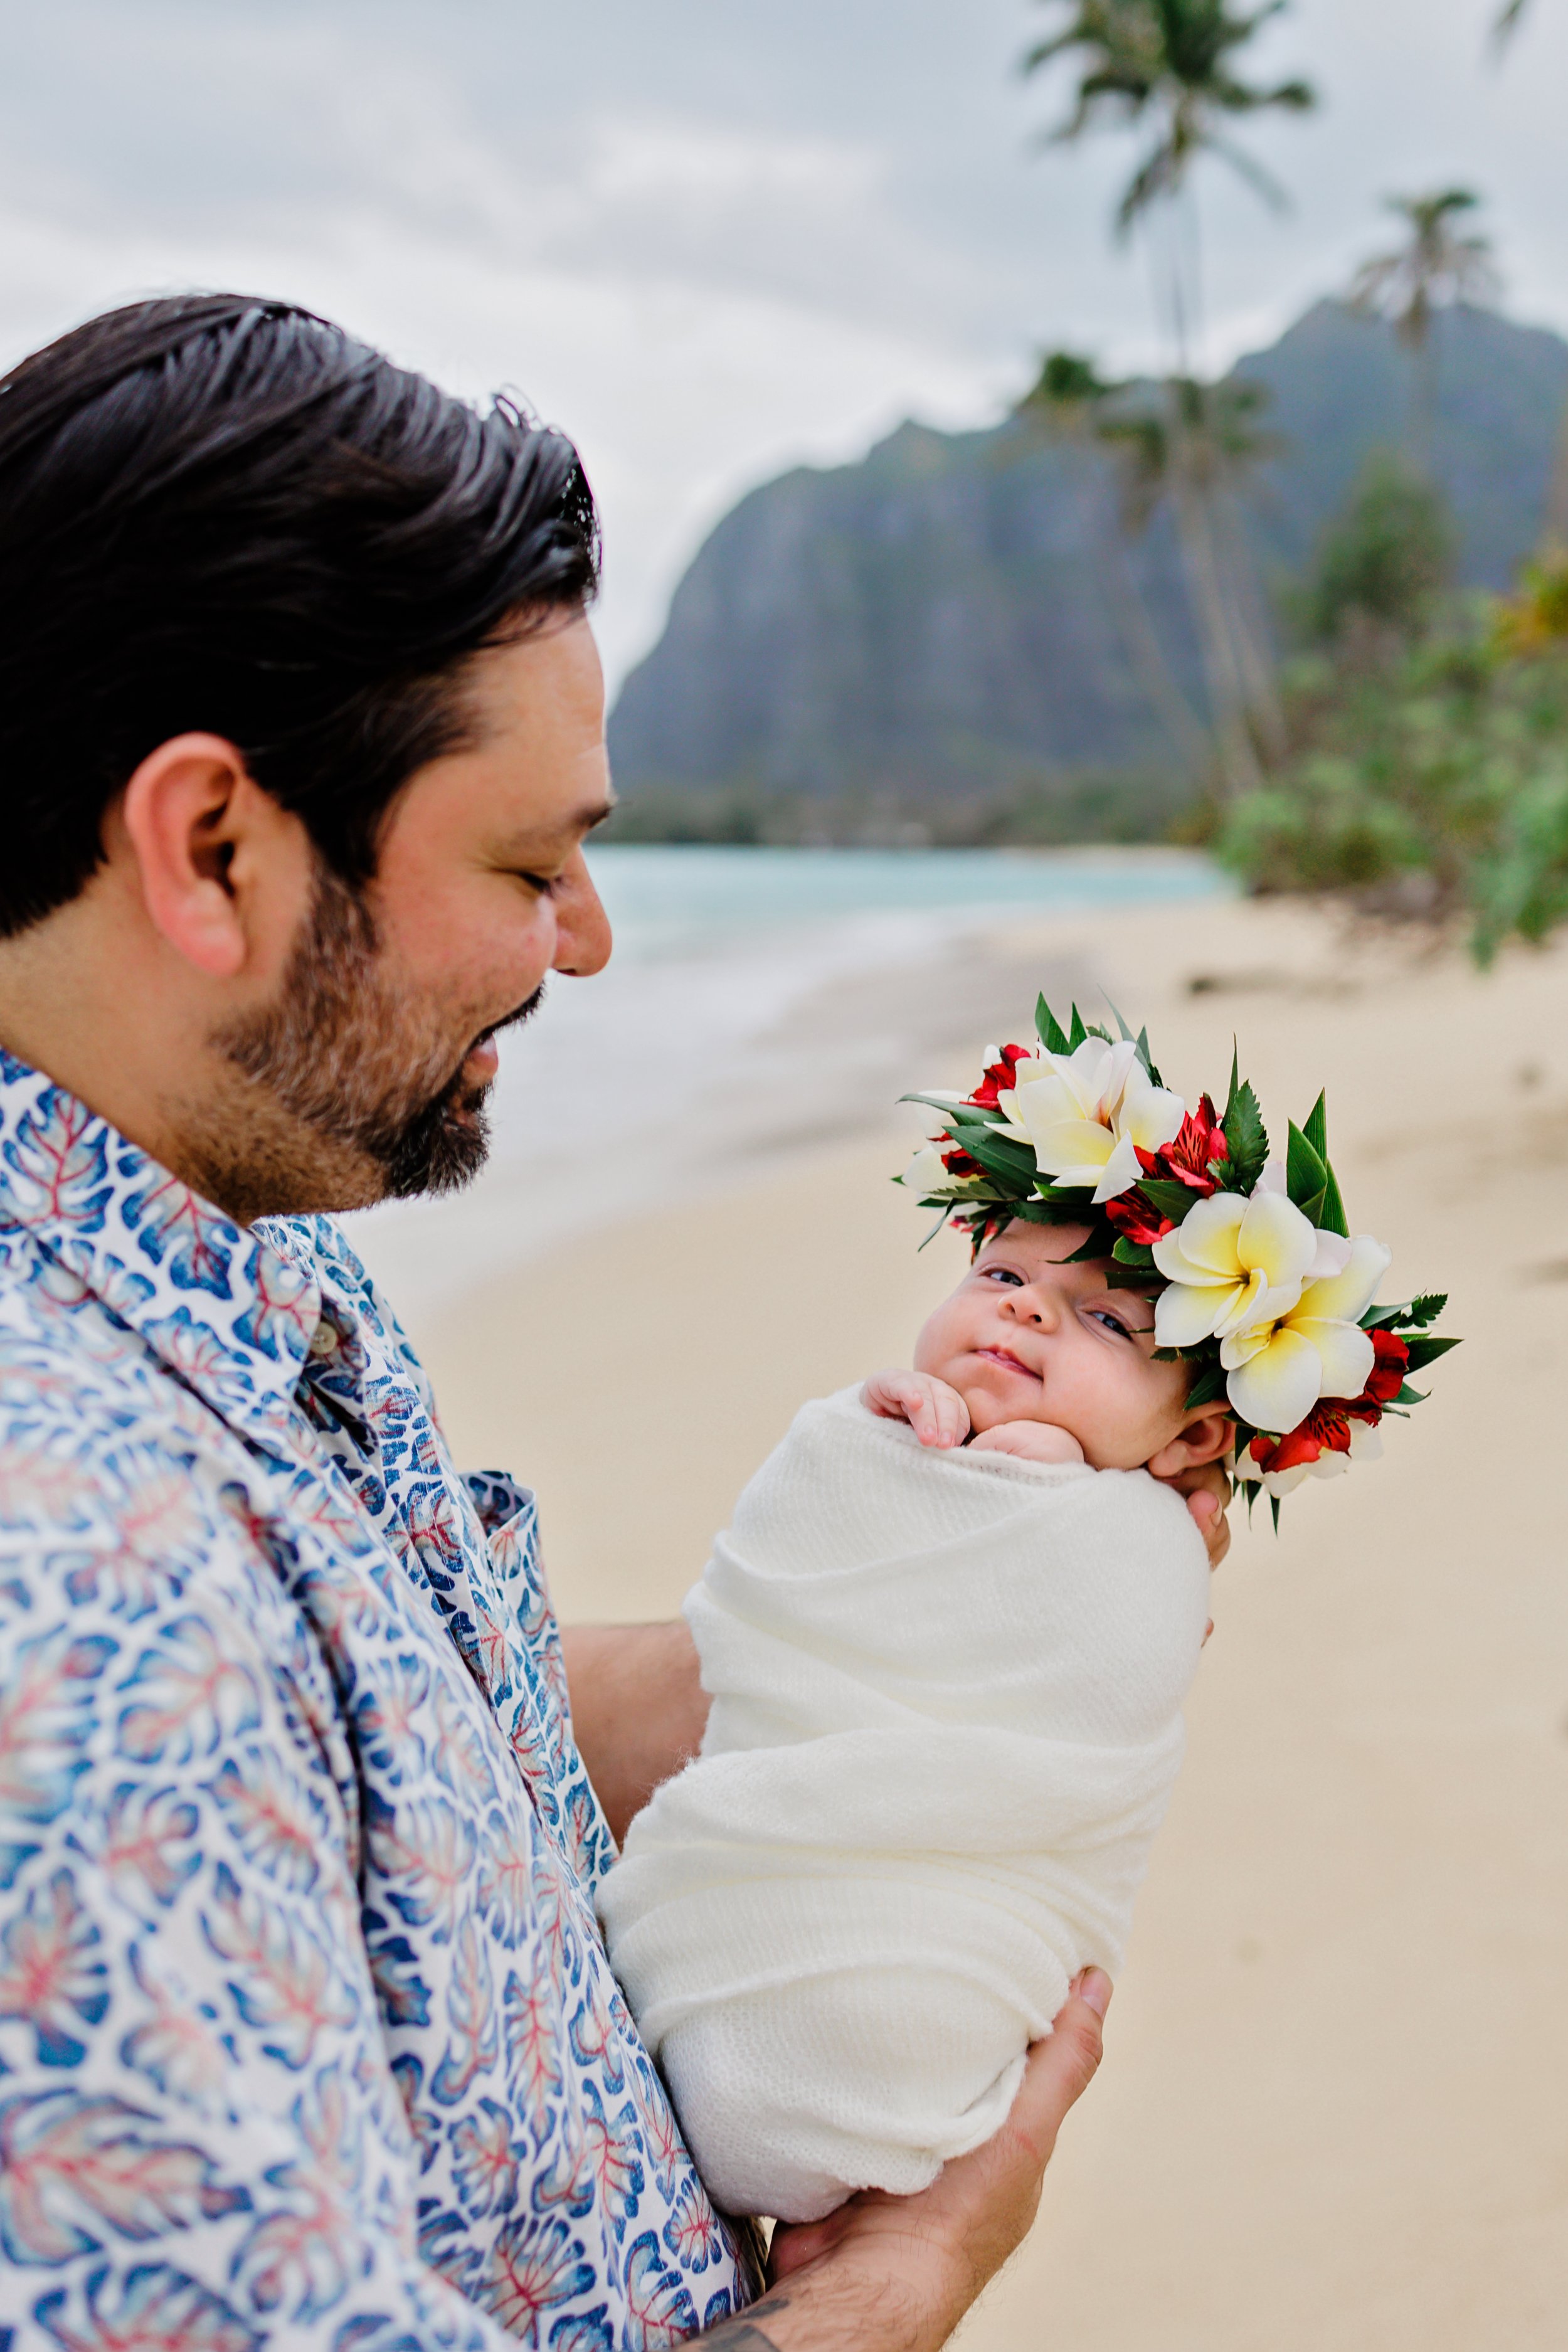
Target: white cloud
<point>710,240</point>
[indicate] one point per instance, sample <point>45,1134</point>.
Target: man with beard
<point>306,2029</point>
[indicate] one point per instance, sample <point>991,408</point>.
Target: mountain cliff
<point>951,620</point>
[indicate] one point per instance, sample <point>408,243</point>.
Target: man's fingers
<point>1062,2066</point>
<point>1094,1988</point>
<point>1207,1509</point>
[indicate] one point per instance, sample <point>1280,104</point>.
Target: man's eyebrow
<point>532,844</point>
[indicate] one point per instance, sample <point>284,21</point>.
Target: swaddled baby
<point>947,1636</point>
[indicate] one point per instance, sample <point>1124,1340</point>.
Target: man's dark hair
<point>222,513</point>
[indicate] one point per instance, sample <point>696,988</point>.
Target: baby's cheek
<point>938,1348</point>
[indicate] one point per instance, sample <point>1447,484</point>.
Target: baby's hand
<point>937,1414</point>
<point>1031,1441</point>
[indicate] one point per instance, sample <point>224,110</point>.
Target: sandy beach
<point>1331,2116</point>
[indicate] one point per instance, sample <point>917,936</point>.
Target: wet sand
<point>1332,2118</point>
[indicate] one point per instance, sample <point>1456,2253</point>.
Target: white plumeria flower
<point>1084,1114</point>
<point>925,1172</point>
<point>1282,1363</point>
<point>1235,1260</point>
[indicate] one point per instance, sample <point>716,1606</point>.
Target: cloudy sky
<point>711,237</point>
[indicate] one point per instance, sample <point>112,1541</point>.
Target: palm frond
<point>1257,176</point>
<point>1167,58</point>
<point>1296,97</point>
<point>1370,287</point>
<point>1434,269</point>
<point>1157,174</point>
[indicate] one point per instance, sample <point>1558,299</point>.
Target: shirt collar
<point>217,1303</point>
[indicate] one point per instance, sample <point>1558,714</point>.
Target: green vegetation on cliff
<point>938,642</point>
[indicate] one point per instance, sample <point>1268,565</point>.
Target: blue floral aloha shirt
<point>306,2033</point>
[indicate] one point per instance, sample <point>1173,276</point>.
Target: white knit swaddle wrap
<point>945,1726</point>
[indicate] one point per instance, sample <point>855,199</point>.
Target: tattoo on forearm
<point>742,2334</point>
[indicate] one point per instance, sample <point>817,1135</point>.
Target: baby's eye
<point>1002,1274</point>
<point>1112,1322</point>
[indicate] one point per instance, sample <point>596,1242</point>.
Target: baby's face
<point>1027,1338</point>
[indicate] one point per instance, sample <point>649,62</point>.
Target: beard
<point>348,1090</point>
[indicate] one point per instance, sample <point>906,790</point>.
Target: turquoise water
<point>667,899</point>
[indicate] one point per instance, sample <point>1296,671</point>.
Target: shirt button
<point>324,1339</point>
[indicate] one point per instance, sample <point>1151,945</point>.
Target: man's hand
<point>937,1414</point>
<point>1207,1493</point>
<point>897,2273</point>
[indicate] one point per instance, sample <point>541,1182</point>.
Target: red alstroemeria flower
<point>1327,1428</point>
<point>1391,1362</point>
<point>1186,1161</point>
<point>961,1163</point>
<point>1136,1218</point>
<point>998,1078</point>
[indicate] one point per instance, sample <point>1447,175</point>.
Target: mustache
<point>444,1145</point>
<point>513,1020</point>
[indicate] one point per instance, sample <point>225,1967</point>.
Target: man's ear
<point>1206,1434</point>
<point>204,836</point>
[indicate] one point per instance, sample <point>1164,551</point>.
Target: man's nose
<point>582,934</point>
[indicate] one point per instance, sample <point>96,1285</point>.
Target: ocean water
<point>675,901</point>
<point>757,999</point>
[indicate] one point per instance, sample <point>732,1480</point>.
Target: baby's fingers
<point>925,1413</point>
<point>937,1414</point>
<point>943,1416</point>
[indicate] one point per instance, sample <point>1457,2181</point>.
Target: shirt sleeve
<point>201,2139</point>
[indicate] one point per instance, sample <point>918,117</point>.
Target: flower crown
<point>1255,1279</point>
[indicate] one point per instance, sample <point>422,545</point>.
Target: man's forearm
<point>638,1708</point>
<point>835,2309</point>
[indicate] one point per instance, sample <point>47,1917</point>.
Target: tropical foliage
<point>1435,784</point>
<point>1384,561</point>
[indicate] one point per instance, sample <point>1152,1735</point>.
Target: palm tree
<point>1169,65</point>
<point>1069,405</point>
<point>1435,267</point>
<point>1194,449</point>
